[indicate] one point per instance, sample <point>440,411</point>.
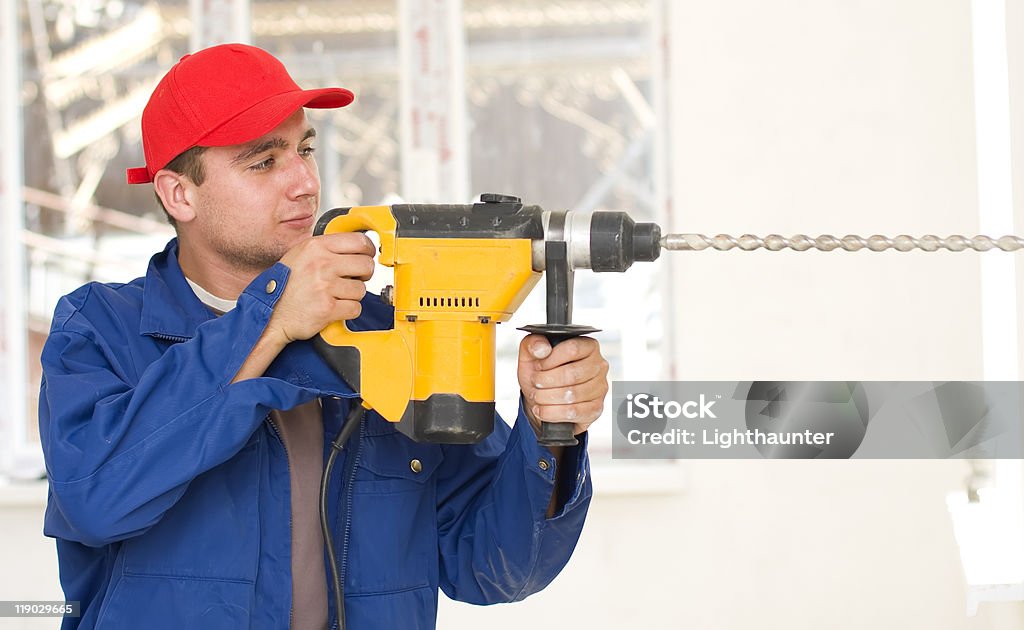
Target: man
<point>185,418</point>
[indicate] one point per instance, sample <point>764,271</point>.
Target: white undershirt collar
<point>218,304</point>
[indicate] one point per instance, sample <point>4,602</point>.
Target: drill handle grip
<point>558,433</point>
<point>376,363</point>
<point>558,329</point>
<point>377,219</point>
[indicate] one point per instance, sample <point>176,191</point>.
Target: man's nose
<point>304,177</point>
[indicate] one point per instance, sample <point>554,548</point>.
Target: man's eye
<point>307,151</point>
<point>262,166</point>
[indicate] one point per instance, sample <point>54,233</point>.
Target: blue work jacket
<point>169,487</point>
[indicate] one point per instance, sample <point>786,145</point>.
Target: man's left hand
<point>566,383</point>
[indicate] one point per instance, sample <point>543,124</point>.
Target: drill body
<point>459,270</point>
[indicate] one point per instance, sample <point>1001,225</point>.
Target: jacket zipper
<point>291,533</point>
<point>287,457</point>
<point>350,474</point>
<point>173,338</point>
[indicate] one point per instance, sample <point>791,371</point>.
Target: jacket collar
<point>169,306</point>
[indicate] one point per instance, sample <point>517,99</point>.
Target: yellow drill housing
<point>434,371</point>
<point>459,270</point>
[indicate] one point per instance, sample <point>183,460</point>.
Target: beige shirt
<point>302,431</point>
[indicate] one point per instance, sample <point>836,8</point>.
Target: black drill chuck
<point>616,242</point>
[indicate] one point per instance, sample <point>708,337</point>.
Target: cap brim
<point>262,117</point>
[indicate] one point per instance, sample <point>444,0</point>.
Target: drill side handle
<point>558,329</point>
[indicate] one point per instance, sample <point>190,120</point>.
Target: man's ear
<point>175,191</point>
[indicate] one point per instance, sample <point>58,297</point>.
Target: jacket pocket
<point>394,463</point>
<point>158,603</point>
<point>393,541</point>
<point>211,532</point>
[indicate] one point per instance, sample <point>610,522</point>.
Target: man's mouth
<point>303,221</point>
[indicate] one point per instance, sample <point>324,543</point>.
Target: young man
<point>185,418</point>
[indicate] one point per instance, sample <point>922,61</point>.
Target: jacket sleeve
<point>121,446</point>
<point>496,544</point>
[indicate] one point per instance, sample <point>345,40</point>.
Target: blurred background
<point>733,116</point>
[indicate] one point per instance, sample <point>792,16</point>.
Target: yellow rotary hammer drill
<point>459,270</point>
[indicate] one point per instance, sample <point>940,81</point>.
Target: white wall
<point>29,566</point>
<point>825,116</point>
<point>766,545</point>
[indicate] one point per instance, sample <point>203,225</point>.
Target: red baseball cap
<point>221,96</point>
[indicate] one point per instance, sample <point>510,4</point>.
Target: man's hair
<point>189,164</point>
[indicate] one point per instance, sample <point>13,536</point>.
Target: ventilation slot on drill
<point>449,302</point>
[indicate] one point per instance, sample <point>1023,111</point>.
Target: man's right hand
<point>327,280</point>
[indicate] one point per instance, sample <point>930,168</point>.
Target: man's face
<point>258,200</point>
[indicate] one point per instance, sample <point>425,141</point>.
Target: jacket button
<point>544,465</point>
<point>416,466</point>
<point>272,286</point>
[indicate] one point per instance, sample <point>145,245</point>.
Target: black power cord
<point>354,419</point>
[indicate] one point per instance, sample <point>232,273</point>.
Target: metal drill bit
<point>850,243</point>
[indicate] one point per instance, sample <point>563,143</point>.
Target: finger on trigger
<point>349,243</point>
<point>368,246</point>
<point>354,266</point>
